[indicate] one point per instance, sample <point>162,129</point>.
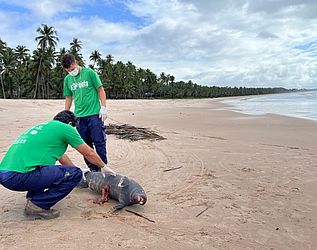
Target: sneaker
<point>35,212</point>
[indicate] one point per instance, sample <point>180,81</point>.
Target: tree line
<point>40,75</point>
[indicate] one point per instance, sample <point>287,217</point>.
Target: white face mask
<point>74,72</point>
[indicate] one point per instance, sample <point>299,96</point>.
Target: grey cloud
<point>284,8</point>
<point>266,35</point>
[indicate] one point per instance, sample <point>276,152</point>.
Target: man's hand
<point>107,170</point>
<point>103,113</point>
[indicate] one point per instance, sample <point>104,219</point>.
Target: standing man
<point>84,87</point>
<point>29,164</point>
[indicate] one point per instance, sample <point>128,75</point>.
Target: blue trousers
<point>46,185</point>
<point>92,130</point>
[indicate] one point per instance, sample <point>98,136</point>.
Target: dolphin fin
<point>118,206</point>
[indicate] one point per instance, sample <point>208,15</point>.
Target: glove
<point>103,113</point>
<point>107,170</point>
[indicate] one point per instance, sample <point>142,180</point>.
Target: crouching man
<point>29,164</point>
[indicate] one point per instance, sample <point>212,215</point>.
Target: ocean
<point>294,104</point>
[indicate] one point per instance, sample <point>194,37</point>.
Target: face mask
<point>74,72</point>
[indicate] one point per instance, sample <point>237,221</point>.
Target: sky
<point>243,43</point>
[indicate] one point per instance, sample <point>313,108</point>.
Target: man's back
<point>43,144</point>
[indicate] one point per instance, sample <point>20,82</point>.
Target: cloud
<point>238,43</point>
<point>47,8</point>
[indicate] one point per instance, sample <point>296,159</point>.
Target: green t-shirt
<point>83,88</point>
<point>43,144</point>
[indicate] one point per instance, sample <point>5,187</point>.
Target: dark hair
<point>68,60</point>
<point>66,116</point>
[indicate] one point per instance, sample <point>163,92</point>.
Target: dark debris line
<point>129,132</point>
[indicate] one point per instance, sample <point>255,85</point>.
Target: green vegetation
<point>40,75</point>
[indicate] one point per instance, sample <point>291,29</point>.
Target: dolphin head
<point>139,198</point>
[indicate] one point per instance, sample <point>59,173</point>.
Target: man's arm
<point>64,160</point>
<point>68,102</point>
<point>103,110</point>
<point>102,96</point>
<point>93,157</point>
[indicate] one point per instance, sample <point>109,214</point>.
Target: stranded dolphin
<point>118,187</point>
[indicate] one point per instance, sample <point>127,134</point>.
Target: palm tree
<point>58,75</point>
<point>22,54</point>
<point>47,38</point>
<point>8,72</point>
<point>2,85</point>
<point>130,84</point>
<point>119,76</point>
<point>109,58</point>
<point>59,55</point>
<point>41,65</point>
<point>3,47</point>
<point>75,46</point>
<point>47,41</point>
<point>95,56</point>
<point>36,68</point>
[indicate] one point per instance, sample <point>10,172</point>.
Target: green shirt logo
<point>76,85</point>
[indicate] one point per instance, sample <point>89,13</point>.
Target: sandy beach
<point>235,182</point>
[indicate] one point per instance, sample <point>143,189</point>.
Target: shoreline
<point>231,107</point>
<point>241,105</point>
<point>239,181</point>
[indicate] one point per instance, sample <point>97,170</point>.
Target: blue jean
<point>92,130</point>
<point>46,185</point>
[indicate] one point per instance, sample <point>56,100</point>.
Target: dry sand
<point>243,182</point>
